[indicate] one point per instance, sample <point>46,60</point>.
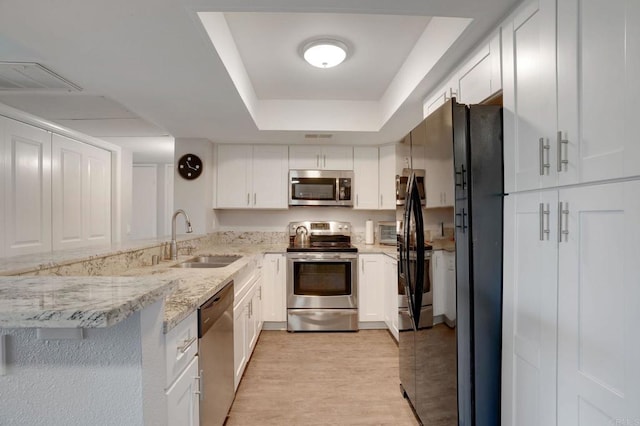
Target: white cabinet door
<point>529,93</point>
<point>440,96</point>
<point>240,338</point>
<point>529,309</point>
<point>387,177</point>
<point>27,188</point>
<point>270,168</point>
<point>337,158</point>
<point>305,157</point>
<point>365,171</point>
<point>183,402</point>
<point>320,157</point>
<point>97,195</point>
<point>598,50</point>
<point>370,288</point>
<point>598,317</point>
<point>274,300</point>
<point>475,78</point>
<point>439,185</point>
<point>391,295</point>
<point>81,194</point>
<point>255,316</point>
<point>233,188</point>
<point>67,199</point>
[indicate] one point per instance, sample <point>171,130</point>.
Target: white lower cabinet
<point>247,324</point>
<point>570,322</point>
<point>370,288</point>
<point>182,373</point>
<point>390,274</point>
<point>274,288</point>
<point>183,403</point>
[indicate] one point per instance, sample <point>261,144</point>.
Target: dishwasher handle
<point>214,308</point>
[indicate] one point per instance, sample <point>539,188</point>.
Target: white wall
<point>195,196</point>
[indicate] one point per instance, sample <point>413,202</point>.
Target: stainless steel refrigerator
<point>450,371</point>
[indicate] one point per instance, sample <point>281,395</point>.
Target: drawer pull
<point>186,344</point>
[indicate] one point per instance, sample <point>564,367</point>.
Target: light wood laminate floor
<point>322,379</point>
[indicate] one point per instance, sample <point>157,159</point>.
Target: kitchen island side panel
<point>94,380</point>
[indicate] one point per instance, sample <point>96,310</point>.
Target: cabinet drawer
<point>181,345</point>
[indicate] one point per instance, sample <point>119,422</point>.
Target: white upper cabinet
<point>598,50</point>
<point>320,157</point>
<point>529,96</point>
<point>81,213</point>
<point>481,76</point>
<point>252,176</point>
<point>94,196</point>
<point>387,177</point>
<point>440,96</point>
<point>365,171</point>
<point>26,180</point>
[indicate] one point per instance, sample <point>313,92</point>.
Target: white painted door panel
<point>67,178</point>
<point>304,157</point>
<point>365,171</point>
<point>337,158</point>
<point>97,207</point>
<point>234,176</point>
<point>387,177</point>
<point>370,288</point>
<point>274,300</point>
<point>27,188</point>
<point>598,49</point>
<point>529,92</point>
<point>475,82</point>
<point>598,344</point>
<point>269,178</point>
<point>529,310</point>
<point>183,404</point>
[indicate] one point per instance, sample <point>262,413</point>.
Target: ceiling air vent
<point>31,76</point>
<point>318,136</point>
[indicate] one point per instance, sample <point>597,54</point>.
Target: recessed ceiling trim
<point>334,115</point>
<point>32,76</point>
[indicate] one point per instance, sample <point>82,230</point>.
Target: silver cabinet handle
<point>542,147</point>
<point>560,150</point>
<point>186,344</point>
<point>277,265</point>
<point>318,160</point>
<point>255,198</point>
<point>325,161</point>
<point>248,199</point>
<point>357,200</point>
<point>544,232</point>
<point>563,213</point>
<point>381,203</point>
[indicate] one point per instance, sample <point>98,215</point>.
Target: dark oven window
<point>322,278</point>
<point>313,189</point>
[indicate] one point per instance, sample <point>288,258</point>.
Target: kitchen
<point>552,79</point>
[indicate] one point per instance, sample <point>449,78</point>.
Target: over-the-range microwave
<point>321,188</point>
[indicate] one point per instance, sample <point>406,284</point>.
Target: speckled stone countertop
<point>76,302</point>
<point>101,300</point>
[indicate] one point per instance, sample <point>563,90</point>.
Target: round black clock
<point>190,166</point>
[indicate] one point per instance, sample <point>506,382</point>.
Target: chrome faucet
<point>173,246</point>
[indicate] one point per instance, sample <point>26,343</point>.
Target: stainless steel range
<point>322,277</point>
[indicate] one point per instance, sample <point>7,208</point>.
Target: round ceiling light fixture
<point>324,53</point>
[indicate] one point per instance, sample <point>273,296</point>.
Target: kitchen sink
<point>207,262</point>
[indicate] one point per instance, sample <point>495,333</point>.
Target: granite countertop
<point>76,302</point>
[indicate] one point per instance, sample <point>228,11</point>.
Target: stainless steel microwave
<point>321,188</point>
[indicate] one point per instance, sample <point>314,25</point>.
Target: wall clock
<point>190,166</point>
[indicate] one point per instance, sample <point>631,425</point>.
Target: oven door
<point>322,280</point>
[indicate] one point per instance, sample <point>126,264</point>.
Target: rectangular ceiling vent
<point>318,136</point>
<point>31,76</point>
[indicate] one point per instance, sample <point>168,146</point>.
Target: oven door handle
<point>322,258</point>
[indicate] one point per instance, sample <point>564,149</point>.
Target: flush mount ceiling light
<point>324,53</point>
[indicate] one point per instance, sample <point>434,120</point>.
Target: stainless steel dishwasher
<point>215,351</point>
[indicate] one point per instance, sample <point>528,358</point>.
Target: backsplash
<point>248,237</point>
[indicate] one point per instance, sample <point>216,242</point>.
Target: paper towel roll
<point>368,232</point>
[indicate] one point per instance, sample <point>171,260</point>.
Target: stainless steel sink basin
<point>208,262</point>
